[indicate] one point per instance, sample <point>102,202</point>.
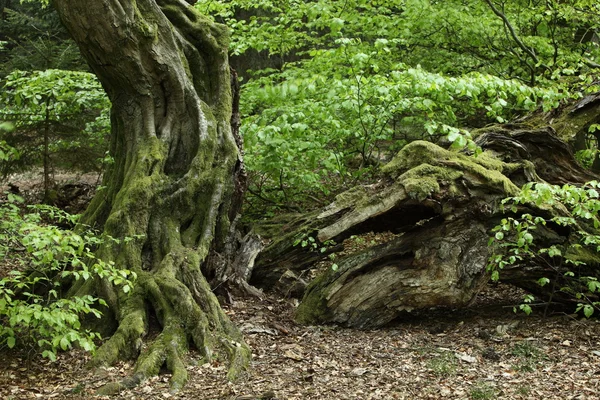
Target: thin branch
<point>590,63</point>
<point>512,32</point>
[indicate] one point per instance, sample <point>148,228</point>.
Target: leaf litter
<point>482,352</point>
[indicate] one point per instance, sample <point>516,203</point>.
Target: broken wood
<point>441,206</point>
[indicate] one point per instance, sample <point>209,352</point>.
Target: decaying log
<point>441,205</point>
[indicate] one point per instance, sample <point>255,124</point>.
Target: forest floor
<point>482,352</point>
<point>485,351</point>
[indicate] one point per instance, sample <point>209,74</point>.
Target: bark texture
<point>441,206</point>
<point>176,183</point>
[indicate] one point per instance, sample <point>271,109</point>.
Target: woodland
<point>300,199</point>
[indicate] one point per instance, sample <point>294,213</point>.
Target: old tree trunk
<point>176,183</point>
<point>440,207</point>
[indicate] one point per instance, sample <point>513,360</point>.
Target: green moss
<point>313,309</point>
<point>420,152</point>
<point>143,24</point>
<point>570,126</point>
<point>126,341</point>
<point>196,26</point>
<point>489,161</point>
<point>414,154</point>
<point>239,361</point>
<point>351,197</point>
<point>422,181</point>
<point>478,174</point>
<point>585,255</point>
<point>422,167</point>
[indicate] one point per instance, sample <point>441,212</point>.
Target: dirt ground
<point>483,352</point>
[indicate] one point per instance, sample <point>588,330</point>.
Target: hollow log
<point>441,206</point>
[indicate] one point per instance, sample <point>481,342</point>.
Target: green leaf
<point>526,308</point>
<point>49,354</point>
<point>543,281</point>
<point>64,343</point>
<point>10,342</point>
<point>495,276</point>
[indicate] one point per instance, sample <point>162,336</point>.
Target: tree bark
<point>176,183</point>
<point>441,207</point>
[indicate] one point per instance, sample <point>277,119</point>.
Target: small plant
<point>313,244</point>
<point>443,364</point>
<point>483,391</point>
<point>523,390</point>
<point>34,310</point>
<point>528,356</point>
<point>526,350</point>
<point>514,240</point>
<point>526,305</point>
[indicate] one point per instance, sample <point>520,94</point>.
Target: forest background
<point>330,92</point>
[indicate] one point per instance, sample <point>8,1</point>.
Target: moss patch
<point>313,308</point>
<point>423,166</point>
<point>422,181</point>
<point>570,125</point>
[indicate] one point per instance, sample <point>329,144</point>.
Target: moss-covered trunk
<point>176,182</point>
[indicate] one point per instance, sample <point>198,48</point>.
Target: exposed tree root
<point>188,313</point>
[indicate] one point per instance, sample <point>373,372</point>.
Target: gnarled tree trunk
<point>176,183</point>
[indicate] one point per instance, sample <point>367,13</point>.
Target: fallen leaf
<point>465,357</point>
<point>358,371</point>
<point>293,355</point>
<point>250,328</point>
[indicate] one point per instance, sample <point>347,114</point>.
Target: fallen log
<point>441,206</point>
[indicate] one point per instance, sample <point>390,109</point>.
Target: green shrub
<point>43,257</point>
<point>514,240</point>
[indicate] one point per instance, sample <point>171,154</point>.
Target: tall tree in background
<point>176,182</point>
<point>59,112</point>
<point>60,119</point>
<point>34,39</point>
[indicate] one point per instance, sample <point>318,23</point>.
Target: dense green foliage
<point>32,38</point>
<point>60,118</point>
<point>338,87</point>
<point>34,308</point>
<point>7,153</point>
<point>347,83</point>
<point>60,115</point>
